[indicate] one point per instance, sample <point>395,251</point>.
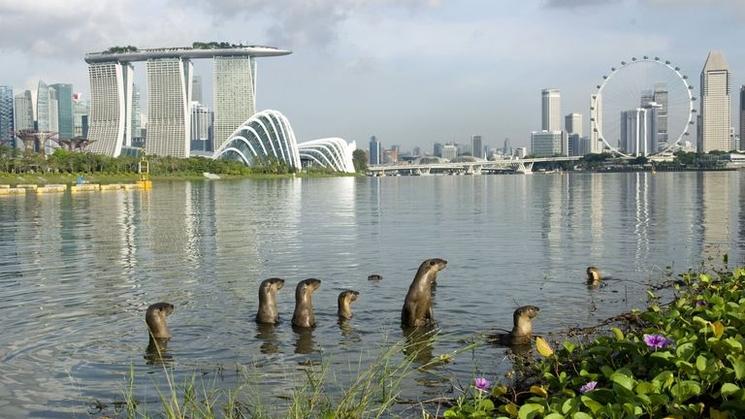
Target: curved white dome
<point>333,153</point>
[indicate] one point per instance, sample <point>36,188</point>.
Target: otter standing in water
<point>522,328</point>
<point>303,315</point>
<point>155,317</point>
<point>593,276</point>
<point>417,309</point>
<point>267,313</point>
<point>345,300</point>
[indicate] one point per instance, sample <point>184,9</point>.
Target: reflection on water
<point>78,271</point>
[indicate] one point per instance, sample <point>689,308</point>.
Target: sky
<point>411,72</point>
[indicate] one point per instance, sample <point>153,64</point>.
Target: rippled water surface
<point>78,271</point>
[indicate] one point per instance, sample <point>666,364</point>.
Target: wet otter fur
<point>417,308</point>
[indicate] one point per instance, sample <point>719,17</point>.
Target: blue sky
<point>411,72</point>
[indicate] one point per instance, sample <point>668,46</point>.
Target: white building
<point>573,124</point>
<point>520,152</point>
<point>234,95</point>
<point>24,111</point>
<point>547,143</point>
<point>714,116</point>
<point>550,110</point>
<point>111,99</point>
<point>639,130</point>
<point>80,109</point>
<point>169,107</point>
<point>449,151</point>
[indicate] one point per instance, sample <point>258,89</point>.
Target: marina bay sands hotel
<point>169,88</point>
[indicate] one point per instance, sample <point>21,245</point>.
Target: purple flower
<point>481,383</point>
<point>701,303</point>
<point>588,387</point>
<point>657,341</point>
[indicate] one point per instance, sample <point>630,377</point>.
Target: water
<point>78,271</point>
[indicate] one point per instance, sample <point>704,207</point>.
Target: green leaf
<point>623,380</point>
<point>729,389</point>
<point>591,404</point>
<point>684,390</point>
<point>664,379</point>
<point>569,346</point>
<point>569,405</point>
<point>738,364</point>
<point>701,363</point>
<point>666,355</point>
<point>581,415</point>
<point>705,278</point>
<point>617,333</point>
<point>486,405</point>
<point>685,351</point>
<point>554,416</point>
<point>530,410</point>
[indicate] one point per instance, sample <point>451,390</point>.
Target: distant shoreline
<point>104,178</point>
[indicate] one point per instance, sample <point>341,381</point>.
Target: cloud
<point>301,23</point>
<point>573,4</point>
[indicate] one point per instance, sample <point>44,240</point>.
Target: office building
<point>573,124</point>
<point>375,151</point>
<point>742,117</point>
<point>437,149</point>
<point>24,111</point>
<point>80,109</point>
<point>196,89</point>
<point>7,126</point>
<point>169,107</point>
<point>639,130</point>
<point>53,111</point>
<point>201,126</point>
<point>550,110</point>
<point>449,151</point>
<point>477,147</point>
<point>135,114</point>
<point>42,107</point>
<point>63,94</point>
<point>547,143</point>
<point>395,151</point>
<point>520,152</point>
<point>715,105</point>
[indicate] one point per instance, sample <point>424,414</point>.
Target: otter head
<point>429,269</point>
<point>523,320</point>
<point>155,317</point>
<point>306,287</point>
<point>593,275</point>
<point>345,300</point>
<point>272,284</point>
<point>374,277</point>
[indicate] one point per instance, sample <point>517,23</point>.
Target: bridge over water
<point>466,167</point>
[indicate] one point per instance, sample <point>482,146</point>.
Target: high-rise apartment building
<point>375,151</point>
<point>7,126</point>
<point>63,92</point>
<point>714,133</point>
<point>573,124</point>
<point>169,107</point>
<point>639,129</point>
<point>111,100</point>
<point>477,147</point>
<point>742,118</point>
<point>550,110</point>
<point>234,94</point>
<point>24,111</point>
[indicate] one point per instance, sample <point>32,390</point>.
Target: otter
<point>303,315</point>
<point>522,329</point>
<point>267,313</point>
<point>374,277</point>
<point>345,300</point>
<point>417,309</point>
<point>593,276</point>
<point>155,317</point>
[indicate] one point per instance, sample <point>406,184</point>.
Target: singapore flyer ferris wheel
<point>643,107</point>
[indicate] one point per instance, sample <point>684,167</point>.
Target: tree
<point>359,158</point>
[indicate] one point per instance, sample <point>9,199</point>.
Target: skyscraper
<point>551,110</point>
<point>661,98</point>
<point>169,107</point>
<point>477,147</point>
<point>7,127</point>
<point>742,117</point>
<point>234,91</point>
<point>547,143</point>
<point>53,110</point>
<point>714,133</point>
<point>449,151</point>
<point>573,124</point>
<point>375,152</point>
<point>42,107</point>
<point>136,114</point>
<point>196,89</point>
<point>639,129</point>
<point>80,109</point>
<point>64,109</point>
<point>201,124</point>
<point>437,149</point>
<point>111,98</point>
<point>24,111</point>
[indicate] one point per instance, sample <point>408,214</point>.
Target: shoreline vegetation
<point>682,358</point>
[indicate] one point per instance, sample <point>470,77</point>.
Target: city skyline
<point>349,68</point>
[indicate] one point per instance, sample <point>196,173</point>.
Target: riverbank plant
<point>683,359</point>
